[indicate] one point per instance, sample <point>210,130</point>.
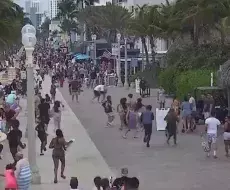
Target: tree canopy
<point>11,19</point>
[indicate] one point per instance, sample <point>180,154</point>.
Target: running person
<point>98,90</point>
<point>212,125</point>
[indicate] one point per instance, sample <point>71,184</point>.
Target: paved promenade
<point>83,160</point>
<point>160,167</point>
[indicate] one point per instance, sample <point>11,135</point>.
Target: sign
<point>115,49</point>
<point>134,62</point>
<point>137,84</point>
<point>160,116</point>
<point>11,74</point>
<point>23,74</point>
<point>64,49</point>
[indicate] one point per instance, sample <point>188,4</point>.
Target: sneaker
<point>44,149</point>
<point>148,145</point>
<point>215,156</point>
<point>124,137</point>
<point>42,154</point>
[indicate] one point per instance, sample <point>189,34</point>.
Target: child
<point>41,129</point>
<point>10,179</point>
<point>48,99</point>
<point>74,183</point>
<point>147,118</point>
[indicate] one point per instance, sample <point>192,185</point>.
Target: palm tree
<point>139,25</point>
<point>103,18</point>
<point>67,16</point>
<point>11,19</point>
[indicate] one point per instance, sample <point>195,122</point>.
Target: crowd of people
<point>134,117</point>
<point>60,67</point>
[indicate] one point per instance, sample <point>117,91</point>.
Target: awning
<point>81,56</point>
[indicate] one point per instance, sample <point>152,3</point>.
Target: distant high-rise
<point>36,4</point>
<point>27,6</point>
<point>53,8</point>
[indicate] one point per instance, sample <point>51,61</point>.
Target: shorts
<point>96,93</point>
<point>226,136</point>
<point>211,138</point>
<point>75,93</point>
<point>186,117</point>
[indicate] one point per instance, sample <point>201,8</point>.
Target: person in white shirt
<point>212,125</point>
<point>192,102</point>
<point>39,78</point>
<point>98,90</point>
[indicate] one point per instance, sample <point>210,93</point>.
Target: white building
<point>36,4</point>
<point>160,44</point>
<point>27,6</point>
<point>53,8</point>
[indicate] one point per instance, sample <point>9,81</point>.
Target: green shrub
<point>184,82</point>
<point>167,79</point>
<point>204,56</point>
<point>187,81</point>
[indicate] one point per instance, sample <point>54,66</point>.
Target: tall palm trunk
<point>222,36</point>
<point>143,41</point>
<point>195,33</point>
<point>153,53</point>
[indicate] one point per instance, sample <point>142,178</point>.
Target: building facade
<point>36,4</point>
<point>53,8</point>
<point>160,44</point>
<point>33,18</point>
<point>27,6</point>
<point>38,20</point>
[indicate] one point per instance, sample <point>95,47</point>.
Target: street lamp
<point>28,29</point>
<point>119,83</point>
<point>94,37</point>
<point>29,40</point>
<point>126,85</point>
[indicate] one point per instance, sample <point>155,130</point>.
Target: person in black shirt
<point>109,111</point>
<point>41,129</point>
<point>47,99</point>
<point>44,109</point>
<point>93,76</point>
<point>10,116</point>
<point>14,138</point>
<point>13,85</point>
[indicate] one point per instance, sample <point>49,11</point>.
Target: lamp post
<point>119,83</point>
<point>94,37</point>
<point>126,85</point>
<point>29,40</point>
